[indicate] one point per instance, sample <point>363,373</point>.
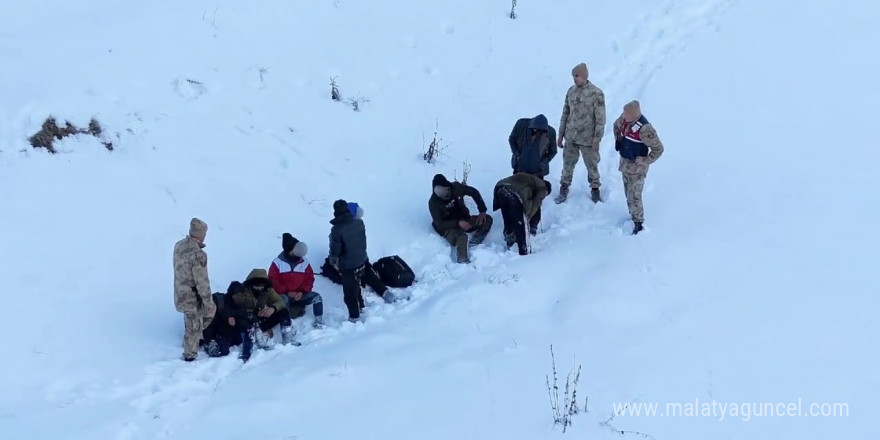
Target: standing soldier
<point>639,147</point>
<point>582,126</point>
<point>192,289</point>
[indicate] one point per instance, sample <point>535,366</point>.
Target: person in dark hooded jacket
<point>348,255</point>
<point>451,218</point>
<point>532,146</point>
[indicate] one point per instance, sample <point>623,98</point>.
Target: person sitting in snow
<point>255,306</point>
<point>247,313</point>
<point>348,255</point>
<point>293,278</point>
<point>451,218</point>
<point>519,198</point>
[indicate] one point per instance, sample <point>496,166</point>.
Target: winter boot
<point>389,297</point>
<point>563,194</point>
<point>288,336</point>
<point>213,349</point>
<point>595,196</point>
<point>263,339</point>
<point>477,239</point>
<point>637,228</point>
<point>247,345</point>
<point>533,230</point>
<point>319,321</point>
<point>509,239</point>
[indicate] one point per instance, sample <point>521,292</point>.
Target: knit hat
<point>340,207</point>
<point>355,210</point>
<point>581,70</point>
<point>292,246</point>
<point>198,228</point>
<point>440,180</point>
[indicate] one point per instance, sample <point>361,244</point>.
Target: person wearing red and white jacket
<point>293,278</point>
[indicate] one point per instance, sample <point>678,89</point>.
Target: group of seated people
<point>250,310</point>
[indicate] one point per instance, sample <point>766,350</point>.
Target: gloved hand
<point>334,261</point>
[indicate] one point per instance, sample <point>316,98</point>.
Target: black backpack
<point>330,272</point>
<point>394,272</point>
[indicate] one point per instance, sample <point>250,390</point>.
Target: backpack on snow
<point>394,272</point>
<point>330,272</point>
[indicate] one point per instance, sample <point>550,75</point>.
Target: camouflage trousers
<point>570,156</point>
<point>193,326</point>
<point>633,185</point>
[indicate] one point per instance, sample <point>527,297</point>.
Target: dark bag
<point>394,272</point>
<point>330,272</point>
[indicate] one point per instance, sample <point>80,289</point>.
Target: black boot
<point>594,194</point>
<point>637,228</point>
<point>247,345</point>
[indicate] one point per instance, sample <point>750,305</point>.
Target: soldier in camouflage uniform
<point>192,288</point>
<point>639,146</point>
<point>582,126</point>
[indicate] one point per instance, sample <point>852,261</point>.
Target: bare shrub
<point>563,413</point>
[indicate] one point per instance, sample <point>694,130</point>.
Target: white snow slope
<point>755,281</point>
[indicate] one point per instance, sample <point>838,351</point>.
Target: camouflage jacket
<point>583,115</point>
<point>529,188</point>
<point>191,284</point>
<point>646,134</point>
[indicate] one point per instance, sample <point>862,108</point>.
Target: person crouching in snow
<point>293,278</point>
<point>519,198</point>
<point>262,307</point>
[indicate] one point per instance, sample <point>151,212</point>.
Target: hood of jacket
<point>258,276</point>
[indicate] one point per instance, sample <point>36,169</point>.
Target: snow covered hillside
<point>753,282</point>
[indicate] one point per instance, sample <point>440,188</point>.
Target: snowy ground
<point>753,282</point>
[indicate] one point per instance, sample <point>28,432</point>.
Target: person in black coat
<point>348,255</point>
<point>532,147</point>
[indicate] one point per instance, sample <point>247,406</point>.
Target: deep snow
<point>753,282</point>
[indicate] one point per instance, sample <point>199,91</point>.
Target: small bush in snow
<point>51,131</point>
<point>465,171</point>
<point>334,90</point>
<point>356,103</point>
<point>435,149</point>
<point>513,10</point>
<point>563,413</point>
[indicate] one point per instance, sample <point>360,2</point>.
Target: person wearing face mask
<point>639,146</point>
<point>451,218</point>
<point>293,278</point>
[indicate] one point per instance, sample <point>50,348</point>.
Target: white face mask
<point>442,191</point>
